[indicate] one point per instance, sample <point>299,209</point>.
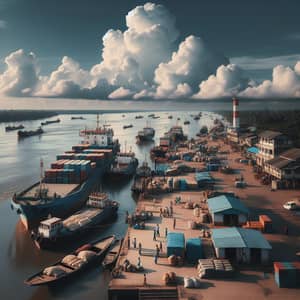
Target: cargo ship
<point>77,118</point>
<point>50,122</point>
<point>127,126</point>
<point>12,128</point>
<point>54,231</point>
<point>25,134</point>
<point>145,135</point>
<point>65,187</point>
<point>124,166</point>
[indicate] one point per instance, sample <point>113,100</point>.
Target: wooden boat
<point>127,126</point>
<point>112,256</point>
<point>76,262</point>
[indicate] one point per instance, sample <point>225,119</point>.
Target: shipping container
<point>175,244</point>
<point>194,250</point>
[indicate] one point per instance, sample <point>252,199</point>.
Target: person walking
<point>157,230</point>
<point>161,212</point>
<point>140,248</point>
<point>157,250</point>
<point>155,259</point>
<point>174,223</point>
<point>171,211</point>
<point>154,234</point>
<point>134,242</point>
<point>160,246</point>
<point>128,241</point>
<point>139,262</point>
<point>145,280</point>
<point>166,232</point>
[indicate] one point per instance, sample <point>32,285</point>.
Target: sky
<point>192,49</point>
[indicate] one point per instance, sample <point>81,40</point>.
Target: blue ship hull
<point>31,215</point>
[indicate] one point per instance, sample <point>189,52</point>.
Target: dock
<point>250,280</point>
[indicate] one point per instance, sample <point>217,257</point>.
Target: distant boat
<point>24,134</point>
<point>123,116</point>
<point>85,257</point>
<point>50,122</point>
<point>139,117</point>
<point>127,126</point>
<point>196,118</point>
<point>151,115</point>
<point>170,117</point>
<point>111,257</point>
<point>77,118</point>
<point>155,117</point>
<point>11,128</point>
<point>146,134</point>
<point>178,119</point>
<point>186,122</point>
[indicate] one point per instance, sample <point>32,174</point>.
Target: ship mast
<point>97,122</point>
<point>41,176</point>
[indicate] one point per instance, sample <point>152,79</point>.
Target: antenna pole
<point>97,122</point>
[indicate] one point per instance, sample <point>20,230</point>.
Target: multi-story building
<point>270,145</point>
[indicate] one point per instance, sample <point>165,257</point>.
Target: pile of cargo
<point>69,171</point>
<point>264,224</point>
<point>287,274</point>
<point>214,268</point>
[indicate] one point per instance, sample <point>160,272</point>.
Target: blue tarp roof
<point>233,237</point>
<point>253,150</point>
<point>195,242</point>
<point>175,240</point>
<point>225,202</point>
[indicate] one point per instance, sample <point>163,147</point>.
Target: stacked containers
<point>266,223</point>
<point>286,274</point>
<point>193,250</point>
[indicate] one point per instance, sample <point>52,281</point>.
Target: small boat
<point>186,122</point>
<point>11,128</point>
<point>145,135</point>
<point>151,115</point>
<point>196,118</point>
<point>178,119</point>
<point>170,117</point>
<point>123,116</point>
<point>111,257</point>
<point>77,118</point>
<point>24,134</point>
<point>50,122</point>
<point>139,117</point>
<point>86,256</point>
<point>127,126</point>
<point>155,117</point>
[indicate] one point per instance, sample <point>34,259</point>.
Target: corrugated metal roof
<point>285,158</point>
<point>270,134</point>
<point>225,202</point>
<point>175,240</point>
<point>233,237</point>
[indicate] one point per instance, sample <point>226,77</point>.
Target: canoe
<point>112,256</point>
<point>74,263</point>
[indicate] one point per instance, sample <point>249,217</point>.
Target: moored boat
<point>139,117</point>
<point>85,257</point>
<point>112,255</point>
<point>64,189</point>
<point>127,126</point>
<point>77,118</point>
<point>52,232</point>
<point>145,135</point>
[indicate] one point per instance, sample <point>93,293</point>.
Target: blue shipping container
<point>194,250</point>
<point>175,244</point>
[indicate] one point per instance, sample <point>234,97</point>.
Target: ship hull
<point>70,236</point>
<point>31,215</point>
<point>123,173</point>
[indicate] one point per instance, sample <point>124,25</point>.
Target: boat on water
<point>151,115</point>
<point>77,118</point>
<point>186,122</point>
<point>155,117</point>
<point>52,232</point>
<point>143,171</point>
<point>50,122</point>
<point>25,134</point>
<point>127,126</point>
<point>85,257</point>
<point>196,118</point>
<point>12,128</point>
<point>176,134</point>
<point>124,166</point>
<point>64,188</point>
<point>170,117</point>
<point>112,255</point>
<point>139,117</point>
<point>145,135</point>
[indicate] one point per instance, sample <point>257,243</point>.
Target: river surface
<point>19,165</point>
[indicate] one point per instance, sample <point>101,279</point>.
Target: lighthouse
<point>235,114</point>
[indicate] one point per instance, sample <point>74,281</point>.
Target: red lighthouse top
<point>235,101</point>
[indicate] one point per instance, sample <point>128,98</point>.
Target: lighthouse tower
<point>235,113</point>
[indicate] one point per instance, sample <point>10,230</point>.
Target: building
<point>227,211</point>
<point>248,139</point>
<point>241,245</point>
<point>285,167</point>
<point>270,145</point>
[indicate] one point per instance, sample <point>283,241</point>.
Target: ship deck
<point>81,218</point>
<point>60,189</point>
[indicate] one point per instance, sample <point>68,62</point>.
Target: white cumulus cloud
<point>21,75</point>
<point>228,80</point>
<point>192,63</point>
<point>120,93</point>
<point>285,83</point>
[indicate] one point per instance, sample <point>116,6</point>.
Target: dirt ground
<point>250,282</point>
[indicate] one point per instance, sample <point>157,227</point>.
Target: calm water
<point>19,162</point>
